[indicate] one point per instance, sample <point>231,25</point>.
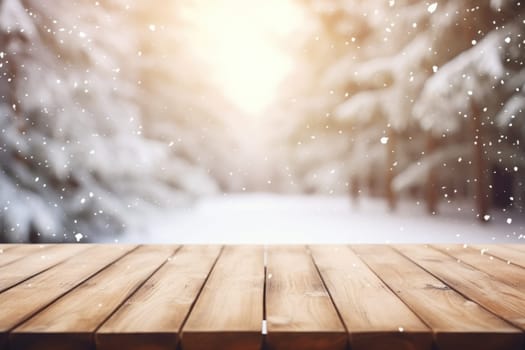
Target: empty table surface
<point>90,296</point>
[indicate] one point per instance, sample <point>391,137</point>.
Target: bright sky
<point>243,42</point>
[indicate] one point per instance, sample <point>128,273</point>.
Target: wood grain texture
<point>518,247</point>
<point>471,282</point>
<point>153,316</point>
<point>229,311</point>
<point>299,311</point>
<point>507,254</point>
<point>510,274</point>
<point>41,290</point>
<point>69,323</point>
<point>395,297</point>
<point>373,314</point>
<point>12,252</point>
<point>457,323</point>
<point>37,261</point>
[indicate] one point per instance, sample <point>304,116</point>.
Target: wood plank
<point>4,247</point>
<point>42,289</point>
<point>512,275</point>
<point>12,252</point>
<point>505,253</point>
<point>475,284</point>
<point>153,316</point>
<point>372,313</point>
<point>37,261</point>
<point>69,323</point>
<point>299,311</point>
<point>229,311</point>
<point>518,247</point>
<point>457,322</point>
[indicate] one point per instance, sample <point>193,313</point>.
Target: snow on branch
<point>417,173</point>
<point>513,110</point>
<point>361,107</point>
<point>474,75</point>
<point>15,19</point>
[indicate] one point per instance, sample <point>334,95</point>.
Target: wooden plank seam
<point>72,289</point>
<point>200,291</point>
<point>464,295</point>
<point>58,332</point>
<point>502,254</point>
<point>139,285</point>
<point>47,248</point>
<point>418,337</point>
<point>229,309</point>
<point>496,278</point>
<point>478,260</point>
<point>329,293</point>
<point>392,289</point>
<point>436,261</point>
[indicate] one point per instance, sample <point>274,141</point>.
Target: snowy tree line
<point>106,113</point>
<point>101,117</point>
<point>410,98</point>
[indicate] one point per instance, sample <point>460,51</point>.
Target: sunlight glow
<point>244,43</point>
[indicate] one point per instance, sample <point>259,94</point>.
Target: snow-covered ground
<point>275,219</point>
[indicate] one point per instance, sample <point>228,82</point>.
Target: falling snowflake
<point>432,7</point>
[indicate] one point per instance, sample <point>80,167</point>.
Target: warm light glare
<point>244,43</point>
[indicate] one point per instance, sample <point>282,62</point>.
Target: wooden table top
<point>82,296</point>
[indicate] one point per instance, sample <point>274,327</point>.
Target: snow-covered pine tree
<point>473,101</point>
<point>359,101</point>
<point>75,161</point>
<point>379,90</point>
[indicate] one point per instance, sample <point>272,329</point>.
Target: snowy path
<point>267,218</point>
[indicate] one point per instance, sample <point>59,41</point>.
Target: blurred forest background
<point>108,109</point>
